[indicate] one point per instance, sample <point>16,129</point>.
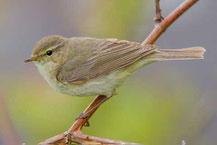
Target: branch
<point>75,134</point>
<point>79,137</point>
<point>162,26</point>
<point>158,18</point>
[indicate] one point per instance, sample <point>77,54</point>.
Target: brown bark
<point>162,26</point>
<point>158,17</point>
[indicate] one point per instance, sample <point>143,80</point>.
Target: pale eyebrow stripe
<point>51,48</point>
<point>56,47</point>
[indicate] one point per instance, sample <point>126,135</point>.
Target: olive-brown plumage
<point>82,66</point>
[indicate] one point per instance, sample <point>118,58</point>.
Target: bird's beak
<point>32,59</point>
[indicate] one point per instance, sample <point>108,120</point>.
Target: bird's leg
<point>158,17</point>
<point>83,116</point>
<point>86,115</point>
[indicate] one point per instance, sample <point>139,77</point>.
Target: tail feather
<point>179,54</point>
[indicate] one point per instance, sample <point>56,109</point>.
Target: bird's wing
<point>110,55</point>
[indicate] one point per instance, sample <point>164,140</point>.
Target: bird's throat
<point>48,71</point>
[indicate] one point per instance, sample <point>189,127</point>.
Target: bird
<point>84,66</point>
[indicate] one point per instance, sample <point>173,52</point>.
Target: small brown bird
<point>81,66</point>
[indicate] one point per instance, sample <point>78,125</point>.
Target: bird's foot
<point>84,116</point>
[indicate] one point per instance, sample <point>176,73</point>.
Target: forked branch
<point>158,17</point>
<point>163,25</point>
<point>77,136</point>
<point>75,130</point>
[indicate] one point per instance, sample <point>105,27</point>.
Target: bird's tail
<point>178,54</point>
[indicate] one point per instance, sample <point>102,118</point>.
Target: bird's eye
<point>49,52</point>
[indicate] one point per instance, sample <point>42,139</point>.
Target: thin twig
<point>78,124</point>
<point>161,27</point>
<point>75,130</point>
<point>158,18</point>
<point>77,136</point>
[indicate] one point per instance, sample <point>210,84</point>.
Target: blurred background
<point>161,104</point>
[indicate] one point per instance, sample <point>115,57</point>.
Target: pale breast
<point>104,85</point>
<point>45,70</point>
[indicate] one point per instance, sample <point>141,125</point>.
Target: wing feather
<point>108,55</point>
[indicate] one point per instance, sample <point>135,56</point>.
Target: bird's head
<point>48,49</point>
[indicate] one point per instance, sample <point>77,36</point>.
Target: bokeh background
<point>161,104</point>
